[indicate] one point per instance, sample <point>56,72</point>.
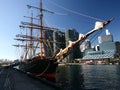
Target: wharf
<point>12,79</point>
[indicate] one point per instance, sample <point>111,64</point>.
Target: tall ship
<point>35,57</point>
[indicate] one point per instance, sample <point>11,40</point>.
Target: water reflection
<point>102,77</point>
<point>70,77</point>
<point>89,77</point>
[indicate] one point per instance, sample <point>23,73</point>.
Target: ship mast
<point>31,42</point>
<point>41,28</point>
<point>31,38</point>
<point>27,38</point>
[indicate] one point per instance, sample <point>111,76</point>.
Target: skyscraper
<point>117,49</point>
<point>106,38</point>
<point>87,44</point>
<point>54,43</point>
<point>48,45</point>
<point>107,48</point>
<point>72,35</point>
<point>106,42</point>
<point>59,41</point>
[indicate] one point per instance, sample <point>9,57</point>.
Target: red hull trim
<point>49,76</point>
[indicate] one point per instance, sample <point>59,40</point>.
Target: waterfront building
<point>105,50</point>
<point>117,48</point>
<point>72,35</point>
<point>97,48</point>
<point>58,41</point>
<point>87,44</point>
<point>107,45</point>
<point>48,46</point>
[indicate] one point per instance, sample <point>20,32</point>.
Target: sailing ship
<point>40,64</point>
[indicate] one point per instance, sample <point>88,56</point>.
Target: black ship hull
<point>42,68</point>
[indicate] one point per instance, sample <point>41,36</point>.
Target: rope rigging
<point>93,37</point>
<point>75,12</point>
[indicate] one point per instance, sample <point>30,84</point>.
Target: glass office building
<point>107,48</point>
<point>72,35</point>
<point>117,48</point>
<point>59,41</point>
<point>54,43</point>
<point>106,38</point>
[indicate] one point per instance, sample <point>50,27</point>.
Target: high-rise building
<point>117,49</point>
<point>59,41</point>
<point>107,45</point>
<point>72,35</point>
<point>48,46</point>
<point>54,43</point>
<point>87,44</point>
<point>106,49</point>
<point>106,38</point>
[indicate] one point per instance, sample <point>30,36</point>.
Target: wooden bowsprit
<point>66,51</point>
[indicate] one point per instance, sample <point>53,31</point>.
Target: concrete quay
<point>12,79</point>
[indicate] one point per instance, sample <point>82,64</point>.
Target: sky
<point>78,14</point>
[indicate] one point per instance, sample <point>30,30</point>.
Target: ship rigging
<point>39,63</point>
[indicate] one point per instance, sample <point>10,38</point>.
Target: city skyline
<point>79,14</point>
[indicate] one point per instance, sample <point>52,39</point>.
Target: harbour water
<point>89,77</point>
